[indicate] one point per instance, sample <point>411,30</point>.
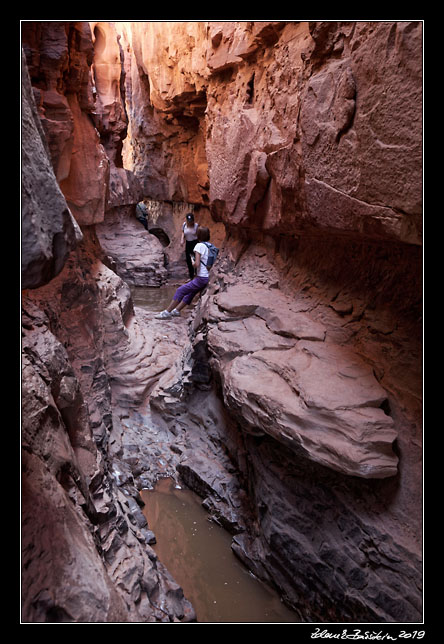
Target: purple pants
<point>187,292</point>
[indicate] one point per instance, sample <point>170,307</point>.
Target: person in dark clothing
<point>189,236</point>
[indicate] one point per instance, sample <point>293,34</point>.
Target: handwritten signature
<point>357,634</point>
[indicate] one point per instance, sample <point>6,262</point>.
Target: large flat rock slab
<point>323,405</point>
<point>281,377</point>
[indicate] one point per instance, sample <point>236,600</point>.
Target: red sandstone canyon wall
<point>78,528</point>
<point>298,125</point>
<point>299,144</point>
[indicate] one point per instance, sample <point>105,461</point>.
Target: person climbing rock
<point>142,214</point>
<point>189,236</point>
<point>185,293</point>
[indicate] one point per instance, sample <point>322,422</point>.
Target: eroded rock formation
<point>86,553</point>
<point>292,401</point>
<point>275,367</point>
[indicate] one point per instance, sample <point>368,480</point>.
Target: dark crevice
<point>161,236</point>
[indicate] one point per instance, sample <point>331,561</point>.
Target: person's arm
<point>196,262</point>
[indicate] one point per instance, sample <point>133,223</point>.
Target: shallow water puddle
<point>152,298</point>
<point>198,554</point>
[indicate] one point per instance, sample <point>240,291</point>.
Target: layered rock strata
<point>287,482</point>
<point>310,146</point>
<point>335,535</point>
<point>85,544</point>
<point>295,412</point>
<point>318,398</point>
<point>86,554</point>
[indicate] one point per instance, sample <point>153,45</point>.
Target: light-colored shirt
<point>190,233</point>
<point>203,250</point>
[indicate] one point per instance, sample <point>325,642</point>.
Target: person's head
<point>203,234</point>
<point>190,219</point>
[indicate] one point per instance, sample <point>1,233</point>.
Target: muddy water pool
<point>198,554</point>
<point>151,298</point>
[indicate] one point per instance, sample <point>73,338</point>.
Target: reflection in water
<point>198,554</point>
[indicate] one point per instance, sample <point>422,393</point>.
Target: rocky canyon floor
<point>266,401</point>
<point>276,397</point>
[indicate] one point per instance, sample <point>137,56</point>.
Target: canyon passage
<point>288,395</point>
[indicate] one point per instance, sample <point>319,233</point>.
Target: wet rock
<point>202,475</point>
<point>149,536</point>
<point>211,481</point>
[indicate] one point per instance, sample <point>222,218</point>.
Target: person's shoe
<point>175,313</point>
<point>164,315</point>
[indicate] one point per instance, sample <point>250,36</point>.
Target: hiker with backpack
<point>205,255</point>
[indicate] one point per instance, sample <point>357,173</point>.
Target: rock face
<point>59,57</point>
<point>292,401</point>
<point>305,149</point>
<point>166,102</point>
<point>86,554</point>
<point>318,398</point>
<point>137,256</point>
<point>49,230</point>
<point>295,119</point>
<point>85,544</point>
<point>330,441</point>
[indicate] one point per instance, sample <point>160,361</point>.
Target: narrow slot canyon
<point>288,395</point>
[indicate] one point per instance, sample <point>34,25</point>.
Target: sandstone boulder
<point>244,336</point>
<point>280,313</point>
<point>137,256</point>
<point>322,406</point>
<point>281,378</point>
